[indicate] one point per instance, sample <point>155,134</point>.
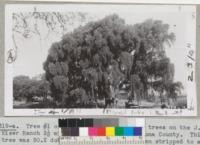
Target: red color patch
<point>101,131</point>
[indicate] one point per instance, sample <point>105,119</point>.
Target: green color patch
<point>119,131</point>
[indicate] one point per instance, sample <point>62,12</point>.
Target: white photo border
<point>8,97</point>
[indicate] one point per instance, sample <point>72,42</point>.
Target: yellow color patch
<point>110,131</point>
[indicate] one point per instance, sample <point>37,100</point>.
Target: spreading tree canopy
<point>26,88</point>
<point>94,59</point>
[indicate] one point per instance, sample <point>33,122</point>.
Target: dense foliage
<point>90,63</point>
<point>26,88</point>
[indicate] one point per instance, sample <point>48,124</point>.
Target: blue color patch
<point>128,131</point>
<point>137,131</point>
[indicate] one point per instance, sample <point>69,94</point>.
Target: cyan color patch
<point>128,131</point>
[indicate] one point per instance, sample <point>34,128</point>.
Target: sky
<point>33,52</point>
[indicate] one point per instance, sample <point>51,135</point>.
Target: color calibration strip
<point>102,131</point>
<point>101,127</point>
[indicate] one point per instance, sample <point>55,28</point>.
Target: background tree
<point>20,87</point>
<point>26,89</point>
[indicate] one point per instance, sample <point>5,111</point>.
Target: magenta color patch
<point>92,131</point>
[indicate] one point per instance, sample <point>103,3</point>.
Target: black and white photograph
<point>100,59</point>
